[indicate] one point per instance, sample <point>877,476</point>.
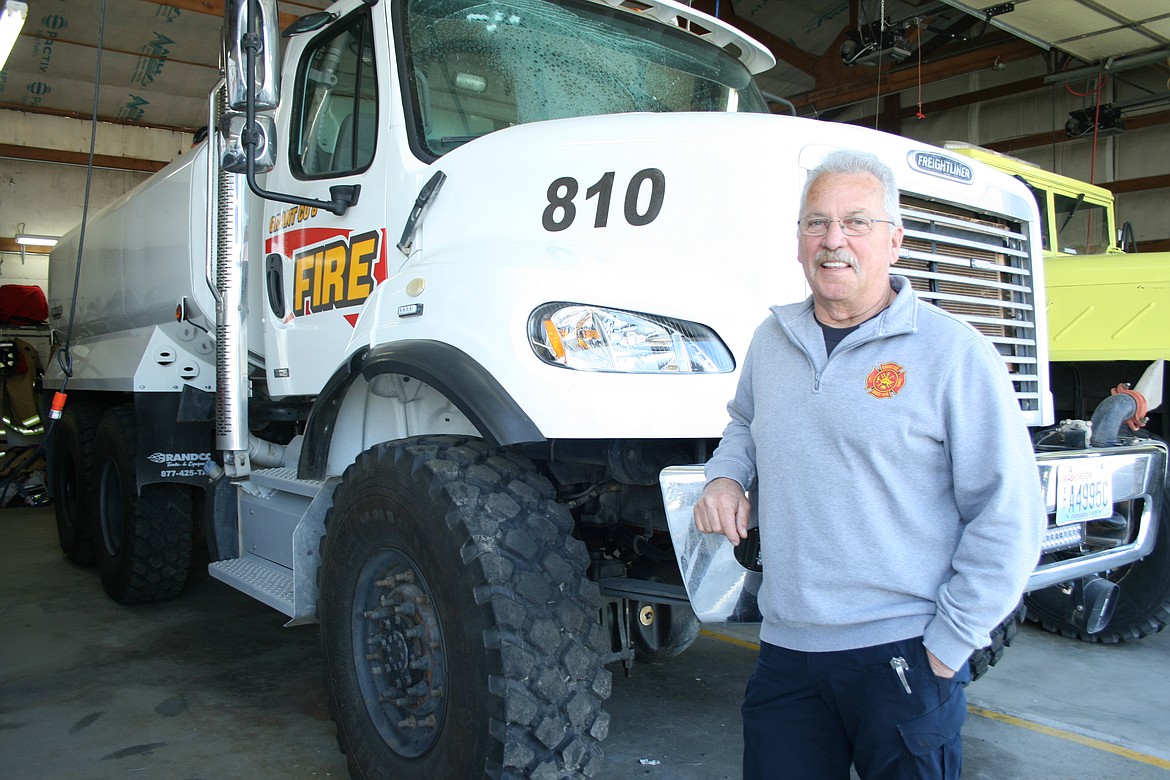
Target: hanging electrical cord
<point>1096,130</point>
<point>919,114</point>
<point>64,354</point>
<point>1093,160</point>
<point>1090,93</point>
<point>877,112</point>
<point>1094,93</point>
<point>64,359</point>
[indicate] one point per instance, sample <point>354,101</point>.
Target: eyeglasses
<point>850,226</point>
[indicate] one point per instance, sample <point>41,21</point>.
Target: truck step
<point>285,479</point>
<point>262,580</point>
<point>644,590</point>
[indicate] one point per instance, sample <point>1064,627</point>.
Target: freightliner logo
<point>940,165</point>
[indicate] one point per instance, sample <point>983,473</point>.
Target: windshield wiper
<point>429,190</point>
<point>457,140</point>
<point>1072,210</point>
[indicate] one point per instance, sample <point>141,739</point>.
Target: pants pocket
<point>938,728</point>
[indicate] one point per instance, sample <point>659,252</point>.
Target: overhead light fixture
<point>11,21</point>
<point>1105,119</point>
<point>872,43</point>
<point>28,239</point>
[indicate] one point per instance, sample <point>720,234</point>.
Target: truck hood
<point>682,216</point>
<point>686,215</point>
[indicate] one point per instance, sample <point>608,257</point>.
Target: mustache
<point>836,256</point>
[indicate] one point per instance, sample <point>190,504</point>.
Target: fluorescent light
<point>11,21</point>
<point>31,240</point>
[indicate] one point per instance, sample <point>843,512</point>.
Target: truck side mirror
<point>233,152</point>
<point>252,83</point>
<point>267,86</point>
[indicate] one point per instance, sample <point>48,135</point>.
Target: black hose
<point>1108,418</point>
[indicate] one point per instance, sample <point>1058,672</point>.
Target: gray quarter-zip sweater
<point>897,488</point>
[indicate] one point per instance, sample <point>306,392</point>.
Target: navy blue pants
<point>811,715</point>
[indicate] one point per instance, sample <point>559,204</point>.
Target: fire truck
<point>413,342</point>
<point>1108,333</point>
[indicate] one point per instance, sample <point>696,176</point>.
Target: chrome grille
<point>977,267</point>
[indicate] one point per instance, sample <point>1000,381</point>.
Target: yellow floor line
<point>1011,720</point>
<point>1070,736</point>
<point>729,639</point>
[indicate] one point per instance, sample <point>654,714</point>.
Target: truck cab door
<point>319,268</point>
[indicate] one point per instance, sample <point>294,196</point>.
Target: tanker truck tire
<point>70,464</point>
<point>460,636</point>
<point>142,539</point>
<point>1143,603</point>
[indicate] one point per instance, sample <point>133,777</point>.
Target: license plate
<point>1084,491</point>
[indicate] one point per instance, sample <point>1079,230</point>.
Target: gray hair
<point>848,161</point>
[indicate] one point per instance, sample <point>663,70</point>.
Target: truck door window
<point>335,128</point>
<point>475,67</point>
<point>1082,227</point>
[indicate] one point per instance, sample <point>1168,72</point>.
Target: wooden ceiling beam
<point>10,245</point>
<point>209,7</point>
<point>798,58</point>
<point>39,154</point>
<point>1012,89</point>
<point>215,8</point>
<point>1140,184</point>
<point>838,85</point>
<point>1009,145</point>
<point>87,117</point>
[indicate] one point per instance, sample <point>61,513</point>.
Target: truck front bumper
<point>1073,548</point>
<point>1081,539</point>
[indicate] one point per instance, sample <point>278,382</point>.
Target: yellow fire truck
<point>1109,322</point>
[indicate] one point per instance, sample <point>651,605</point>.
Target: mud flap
<point>168,450</point>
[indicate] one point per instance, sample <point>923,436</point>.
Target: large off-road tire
<point>1143,602</point>
<point>142,540</point>
<point>460,636</point>
<point>69,469</point>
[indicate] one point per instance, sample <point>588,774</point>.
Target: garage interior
<point>1007,77</point>
<point>211,685</point>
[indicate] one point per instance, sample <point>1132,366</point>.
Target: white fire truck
<point>411,340</point>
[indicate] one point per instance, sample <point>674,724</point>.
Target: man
<point>899,502</point>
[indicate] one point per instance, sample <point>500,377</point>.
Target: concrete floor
<point>211,686</point>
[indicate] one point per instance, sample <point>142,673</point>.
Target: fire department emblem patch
<point>885,380</point>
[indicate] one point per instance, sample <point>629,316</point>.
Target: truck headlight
<point>596,338</point>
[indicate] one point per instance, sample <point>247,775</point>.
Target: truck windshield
<point>1082,227</point>
<point>475,67</point>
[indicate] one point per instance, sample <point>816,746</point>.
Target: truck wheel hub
<point>399,657</point>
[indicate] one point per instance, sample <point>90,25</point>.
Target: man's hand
<point>938,667</point>
<point>723,509</point>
